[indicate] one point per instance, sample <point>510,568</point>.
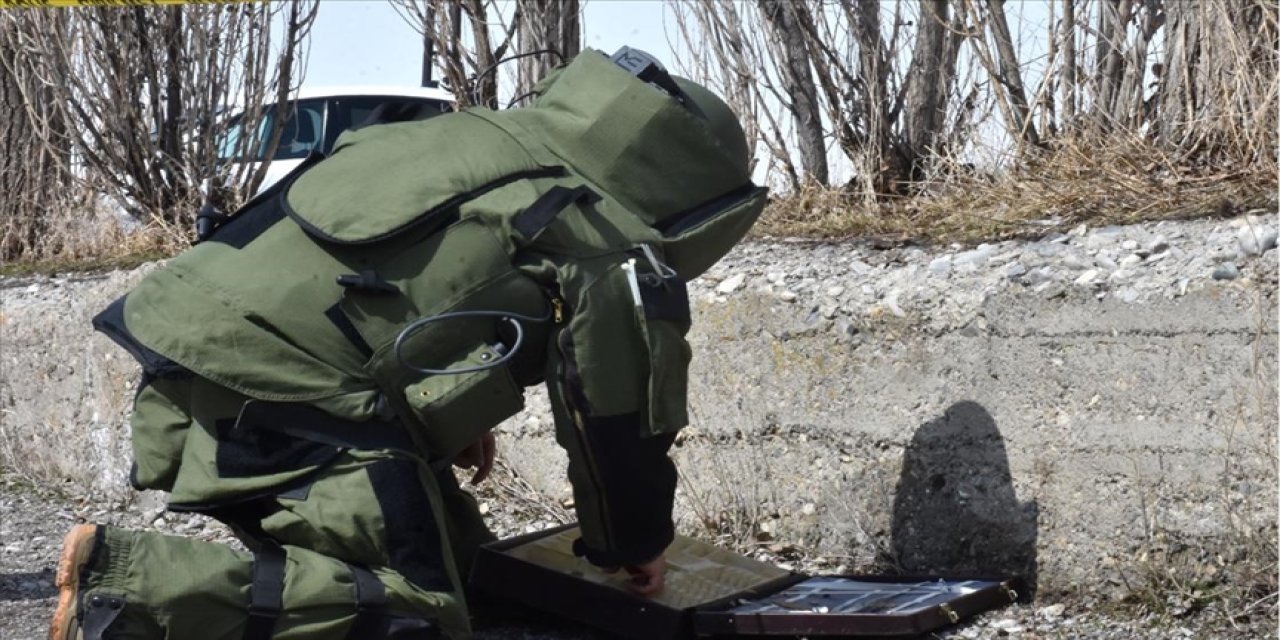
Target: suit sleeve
<point>617,412</point>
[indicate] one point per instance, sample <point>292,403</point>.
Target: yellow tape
<point>8,4</point>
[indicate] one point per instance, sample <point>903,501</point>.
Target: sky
<point>367,42</point>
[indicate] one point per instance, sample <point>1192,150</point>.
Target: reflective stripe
<point>266,594</point>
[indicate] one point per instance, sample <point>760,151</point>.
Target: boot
<point>77,549</point>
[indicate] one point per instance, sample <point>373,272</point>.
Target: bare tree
<point>469,38</point>
<point>874,72</point>
<point>34,175</point>
<point>1113,21</point>
<point>140,91</point>
<point>549,26</point>
<point>928,82</point>
<point>1216,88</point>
<point>1069,76</point>
<point>1003,66</point>
<point>784,23</point>
<point>135,96</point>
<point>723,57</point>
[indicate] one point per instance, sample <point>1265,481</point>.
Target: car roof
<point>433,93</point>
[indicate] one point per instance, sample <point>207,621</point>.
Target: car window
<point>303,131</point>
<point>348,112</point>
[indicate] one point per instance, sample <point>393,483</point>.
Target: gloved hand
<point>647,579</point>
<point>478,454</point>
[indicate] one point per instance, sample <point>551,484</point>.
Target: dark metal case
<point>743,597</point>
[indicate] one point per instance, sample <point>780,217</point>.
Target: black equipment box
<point>711,592</point>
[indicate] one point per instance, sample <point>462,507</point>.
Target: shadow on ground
<point>27,585</point>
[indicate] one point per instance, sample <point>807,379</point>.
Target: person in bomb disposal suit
<point>318,362</point>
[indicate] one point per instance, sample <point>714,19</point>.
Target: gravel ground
<point>32,523</point>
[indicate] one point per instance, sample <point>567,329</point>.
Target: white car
<point>318,115</point>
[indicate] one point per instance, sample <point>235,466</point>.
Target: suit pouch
<point>457,409</point>
<point>663,320</point>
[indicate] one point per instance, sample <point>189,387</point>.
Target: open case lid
<point>711,591</point>
<point>855,606</point>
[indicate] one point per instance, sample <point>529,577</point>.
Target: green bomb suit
<point>313,366</point>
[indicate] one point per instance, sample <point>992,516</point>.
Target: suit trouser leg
<point>466,526</point>
<point>360,552</point>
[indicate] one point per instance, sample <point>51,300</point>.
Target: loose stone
<point>1255,240</point>
<point>1073,261</point>
<point>1052,611</point>
<point>1087,278</point>
<point>731,284</point>
<point>1226,271</point>
<point>1038,276</point>
<point>940,267</point>
<point>1014,269</point>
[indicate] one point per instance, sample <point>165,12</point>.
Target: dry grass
<point>1100,182</point>
<point>88,238</point>
<point>1229,578</point>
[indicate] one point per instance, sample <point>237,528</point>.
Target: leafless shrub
<point>463,55</point>
<point>1112,180</point>
<point>124,106</point>
<point>1193,80</point>
<point>551,28</point>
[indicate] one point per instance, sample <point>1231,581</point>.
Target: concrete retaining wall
<point>1064,438</point>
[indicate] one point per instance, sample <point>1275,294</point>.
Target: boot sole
<point>76,548</point>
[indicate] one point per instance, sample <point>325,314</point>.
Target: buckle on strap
<point>367,281</point>
<point>99,613</point>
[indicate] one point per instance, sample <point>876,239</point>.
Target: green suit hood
<point>656,157</point>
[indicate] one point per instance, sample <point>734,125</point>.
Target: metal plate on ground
<point>714,592</point>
